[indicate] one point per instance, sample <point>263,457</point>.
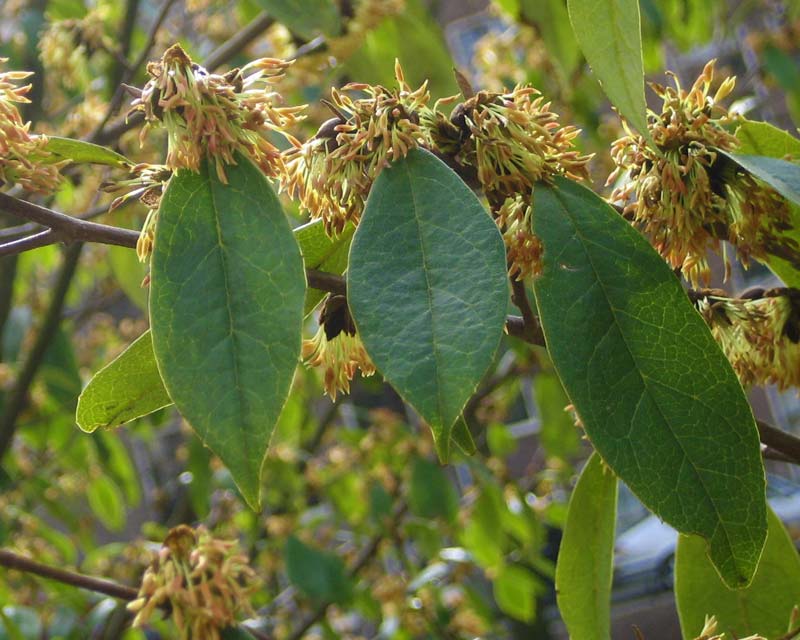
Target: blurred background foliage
<point>363,534</point>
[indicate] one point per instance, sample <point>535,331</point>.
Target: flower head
<point>759,334</point>
<point>206,582</point>
<point>23,157</point>
<point>332,173</point>
<point>66,45</point>
<point>514,140</point>
<point>211,115</point>
<point>336,348</point>
<point>683,194</point>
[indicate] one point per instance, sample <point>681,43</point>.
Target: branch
<point>17,396</point>
<point>531,328</point>
<point>13,560</point>
<point>63,228</point>
<point>14,233</point>
<point>778,440</point>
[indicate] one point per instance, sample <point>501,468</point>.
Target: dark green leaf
<point>779,174</point>
<point>306,18</point>
<point>432,494</point>
<point>427,287</point>
<point>610,37</point>
<point>84,152</point>
<point>463,437</point>
<point>320,576</point>
<point>60,371</point>
<point>515,591</point>
<point>236,633</point>
<point>586,556</point>
<point>127,388</point>
<point>226,308</point>
<point>656,395</point>
<point>764,607</point>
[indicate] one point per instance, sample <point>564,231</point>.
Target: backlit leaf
<point>80,151</point>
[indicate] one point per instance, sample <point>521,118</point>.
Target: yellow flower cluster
<point>211,115</point>
<point>336,348</point>
<point>66,45</point>
<point>759,335</point>
<point>332,173</point>
<point>205,582</point>
<point>683,194</point>
<point>23,158</point>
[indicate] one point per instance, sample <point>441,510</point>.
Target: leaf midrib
<point>643,379</point>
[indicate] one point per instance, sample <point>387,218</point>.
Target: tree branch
<point>531,328</point>
<point>12,560</point>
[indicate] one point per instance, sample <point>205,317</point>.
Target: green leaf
<point>60,371</point>
<point>779,174</point>
<point>515,590</point>
<point>84,152</point>
<point>432,494</point>
<point>427,287</point>
<point>320,576</point>
<point>764,139</point>
<point>129,273</point>
<point>106,502</point>
<point>127,388</point>
<point>610,37</point>
<point>656,395</point>
<point>306,18</point>
<point>226,308</point>
<point>557,433</point>
<point>764,607</point>
<point>463,437</point>
<point>322,252</point>
<point>236,633</point>
<point>586,556</point>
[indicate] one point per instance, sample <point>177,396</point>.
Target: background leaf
<point>764,607</point>
<point>127,388</point>
<point>657,397</point>
<point>610,36</point>
<point>320,576</point>
<point>427,287</point>
<point>586,556</point>
<point>306,18</point>
<point>226,306</point>
<point>781,175</point>
<point>320,251</point>
<point>515,590</point>
<point>432,494</point>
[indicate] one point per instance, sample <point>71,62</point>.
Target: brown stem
<point>531,329</point>
<point>780,441</point>
<point>12,560</point>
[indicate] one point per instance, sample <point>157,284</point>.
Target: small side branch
<point>778,440</point>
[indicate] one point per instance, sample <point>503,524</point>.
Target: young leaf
<point>322,252</point>
<point>427,287</point>
<point>84,152</point>
<point>610,37</point>
<point>127,388</point>
<point>226,308</point>
<point>764,607</point>
<point>586,556</point>
<point>779,174</point>
<point>515,590</point>
<point>656,395</point>
<point>319,575</point>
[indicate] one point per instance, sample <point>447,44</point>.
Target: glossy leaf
<point>586,555</point>
<point>427,287</point>
<point>307,18</point>
<point>320,576</point>
<point>610,37</point>
<point>127,388</point>
<point>764,607</point>
<point>226,308</point>
<point>657,397</point>
<point>80,151</point>
<point>322,252</point>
